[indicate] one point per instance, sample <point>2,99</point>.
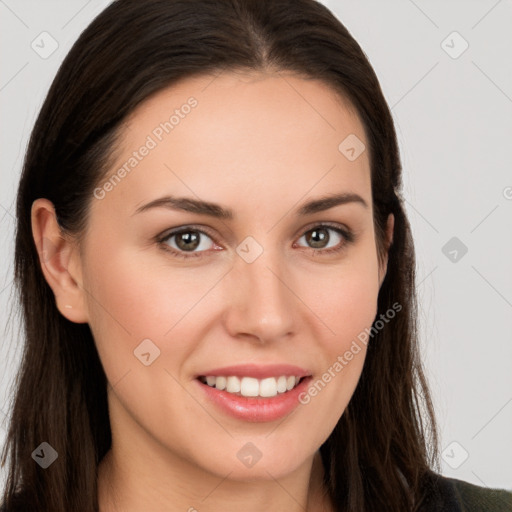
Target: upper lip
<point>257,371</point>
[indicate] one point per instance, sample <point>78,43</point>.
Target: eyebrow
<point>215,210</point>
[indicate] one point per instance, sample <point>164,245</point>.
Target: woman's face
<point>272,290</point>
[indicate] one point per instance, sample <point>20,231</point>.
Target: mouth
<point>255,393</point>
<point>251,386</point>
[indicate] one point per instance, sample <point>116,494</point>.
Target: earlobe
<point>389,240</point>
<point>59,260</point>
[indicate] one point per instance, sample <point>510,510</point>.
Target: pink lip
<point>255,409</point>
<point>257,371</point>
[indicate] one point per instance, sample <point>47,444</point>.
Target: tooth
<point>220,383</point>
<point>281,384</point>
<point>249,386</point>
<point>233,385</point>
<point>268,387</point>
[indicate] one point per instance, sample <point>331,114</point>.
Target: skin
<point>260,144</point>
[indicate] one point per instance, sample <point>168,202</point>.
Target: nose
<point>260,303</point>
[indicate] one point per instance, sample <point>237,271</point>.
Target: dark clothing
<point>459,496</point>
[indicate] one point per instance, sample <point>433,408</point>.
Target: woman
<point>217,275</point>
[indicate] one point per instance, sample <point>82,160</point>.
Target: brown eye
<point>188,240</point>
<point>326,239</point>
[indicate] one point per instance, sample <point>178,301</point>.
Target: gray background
<point>453,116</point>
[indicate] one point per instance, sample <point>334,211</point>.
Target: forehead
<point>276,136</point>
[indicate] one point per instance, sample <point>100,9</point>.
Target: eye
<point>320,240</point>
<point>187,240</point>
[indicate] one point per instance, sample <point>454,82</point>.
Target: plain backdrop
<point>446,71</point>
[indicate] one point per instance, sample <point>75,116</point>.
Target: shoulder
<point>460,496</point>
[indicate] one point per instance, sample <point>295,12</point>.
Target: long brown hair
<point>385,445</point>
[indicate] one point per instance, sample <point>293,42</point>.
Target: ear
<point>60,261</point>
<point>388,241</point>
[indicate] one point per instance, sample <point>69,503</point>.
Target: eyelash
<point>347,234</point>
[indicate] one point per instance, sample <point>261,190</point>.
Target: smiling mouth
<point>252,387</point>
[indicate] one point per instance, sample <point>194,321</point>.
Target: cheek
<point>141,296</point>
<point>132,297</point>
<point>346,302</point>
<point>345,296</point>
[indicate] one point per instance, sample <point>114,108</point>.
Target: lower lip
<point>256,409</point>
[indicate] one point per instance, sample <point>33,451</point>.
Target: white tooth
<point>281,384</point>
<point>290,383</point>
<point>268,387</point>
<point>210,381</point>
<point>220,383</point>
<point>233,385</point>
<point>249,386</point>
